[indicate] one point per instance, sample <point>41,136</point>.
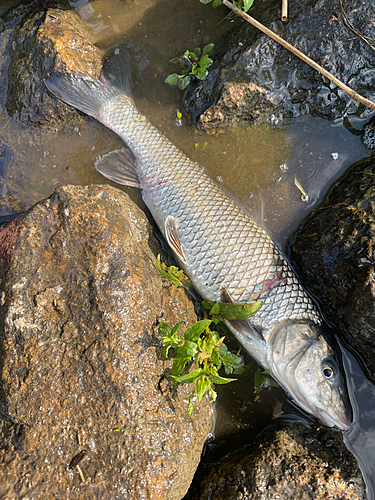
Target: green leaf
<point>216,379</point>
<point>189,377</point>
<point>239,311</point>
<point>195,68</point>
<point>169,337</point>
<point>164,330</point>
<point>240,370</point>
<point>194,331</point>
<point>172,79</point>
<point>201,74</point>
<point>188,349</point>
<point>179,363</point>
<point>208,304</point>
<point>176,328</point>
<point>216,3</point>
<point>231,361</point>
<point>208,48</point>
<point>233,311</point>
<point>206,345</point>
<point>202,386</point>
<point>173,274</point>
<point>247,4</point>
<point>198,51</point>
<point>205,2</point>
<point>215,359</point>
<point>205,61</point>
<point>273,383</point>
<point>262,380</point>
<point>184,82</point>
<point>215,309</point>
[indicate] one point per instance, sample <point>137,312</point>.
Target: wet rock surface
<point>287,461</point>
<point>255,79</point>
<point>83,373</point>
<point>333,249</point>
<point>43,39</point>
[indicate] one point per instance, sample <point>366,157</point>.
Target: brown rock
<point>288,461</point>
<point>81,300</point>
<point>46,40</point>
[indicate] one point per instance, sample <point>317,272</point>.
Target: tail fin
<point>89,95</point>
<point>86,95</point>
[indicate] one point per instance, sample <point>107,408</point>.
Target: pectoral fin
<point>173,237</point>
<point>119,166</point>
<point>243,326</point>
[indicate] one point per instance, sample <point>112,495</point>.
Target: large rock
<point>82,365</point>
<point>255,79</point>
<point>40,40</point>
<point>288,461</point>
<point>334,250</point>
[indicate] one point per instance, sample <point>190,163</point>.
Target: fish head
<point>303,362</point>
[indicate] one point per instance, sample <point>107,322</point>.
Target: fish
<point>227,256</point>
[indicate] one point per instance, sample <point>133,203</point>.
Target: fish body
<point>223,251</point>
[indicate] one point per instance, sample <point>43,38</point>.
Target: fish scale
<point>224,247</point>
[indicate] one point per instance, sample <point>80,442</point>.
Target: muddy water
<point>261,165</point>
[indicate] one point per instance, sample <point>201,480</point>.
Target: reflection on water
<point>360,438</point>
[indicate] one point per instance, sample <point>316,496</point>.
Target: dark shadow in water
<point>360,438</point>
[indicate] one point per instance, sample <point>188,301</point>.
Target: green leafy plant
<point>246,4</point>
<point>192,64</point>
<point>207,349</point>
<point>263,380</point>
<point>173,274</point>
<point>200,344</point>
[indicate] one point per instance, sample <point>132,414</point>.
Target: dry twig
<point>284,10</point>
<point>352,28</point>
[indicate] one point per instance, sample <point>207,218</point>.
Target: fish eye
<point>329,370</point>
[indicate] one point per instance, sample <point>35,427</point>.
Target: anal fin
<point>173,237</point>
<point>119,166</point>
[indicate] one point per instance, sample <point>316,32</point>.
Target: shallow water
<point>260,165</point>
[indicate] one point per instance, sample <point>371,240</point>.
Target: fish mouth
<point>330,421</point>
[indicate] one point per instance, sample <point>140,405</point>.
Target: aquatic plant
<point>200,344</point>
<point>193,64</point>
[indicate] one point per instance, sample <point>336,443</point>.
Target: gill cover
<point>304,363</point>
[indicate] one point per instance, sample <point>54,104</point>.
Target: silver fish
<point>226,255</point>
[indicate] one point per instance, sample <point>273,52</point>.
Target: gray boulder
<point>255,79</point>
<point>333,249</point>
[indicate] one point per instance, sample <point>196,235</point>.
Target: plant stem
<point>299,54</point>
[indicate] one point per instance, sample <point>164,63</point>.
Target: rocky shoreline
<point>87,407</point>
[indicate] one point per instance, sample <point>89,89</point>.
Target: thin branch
<point>354,29</point>
<point>284,10</point>
<point>300,54</point>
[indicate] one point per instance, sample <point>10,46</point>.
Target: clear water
<point>260,165</point>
